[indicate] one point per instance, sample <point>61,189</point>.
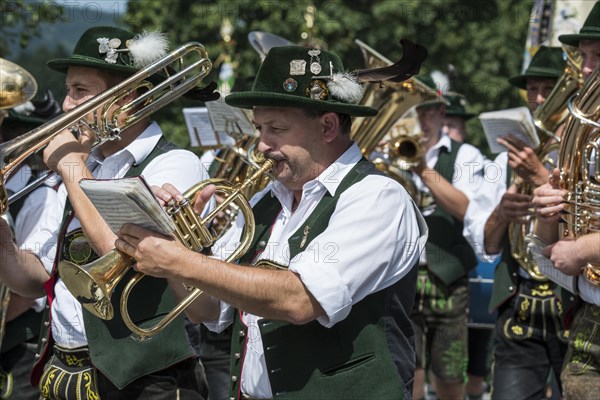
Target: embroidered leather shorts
<point>69,374</point>
<point>536,310</point>
<point>439,317</point>
<point>581,371</point>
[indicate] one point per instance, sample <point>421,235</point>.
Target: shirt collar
<point>330,178</point>
<point>139,149</point>
<point>444,141</point>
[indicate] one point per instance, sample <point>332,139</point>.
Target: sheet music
<point>127,200</point>
<point>199,127</point>
<point>535,247</point>
<point>517,122</point>
<point>229,120</point>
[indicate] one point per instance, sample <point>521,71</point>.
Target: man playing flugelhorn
<point>81,355</point>
<point>327,316</point>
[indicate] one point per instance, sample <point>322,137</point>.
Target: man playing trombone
<point>83,356</point>
<point>329,310</point>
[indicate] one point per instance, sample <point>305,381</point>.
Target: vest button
<point>47,306</point>
<point>44,340</point>
<point>233,378</point>
<point>511,288</point>
<point>262,243</point>
<point>232,398</point>
<point>237,355</point>
<point>242,333</point>
<point>46,323</point>
<point>514,274</point>
<point>37,356</point>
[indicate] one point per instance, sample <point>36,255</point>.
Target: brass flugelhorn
<point>177,80</point>
<point>93,284</point>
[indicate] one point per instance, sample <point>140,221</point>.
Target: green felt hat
<point>113,49</point>
<point>430,83</point>
<point>589,31</point>
<point>457,106</point>
<point>547,63</point>
<point>300,77</point>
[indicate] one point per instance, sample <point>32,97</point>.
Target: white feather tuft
<point>148,47</point>
<point>344,87</point>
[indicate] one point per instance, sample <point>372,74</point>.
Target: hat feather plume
<point>344,87</point>
<point>148,47</point>
<point>409,65</point>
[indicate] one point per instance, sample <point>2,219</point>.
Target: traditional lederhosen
<point>311,361</point>
<point>112,350</point>
<point>442,287</point>
<point>529,310</point>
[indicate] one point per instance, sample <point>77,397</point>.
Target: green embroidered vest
<point>449,254</point>
<point>112,349</point>
<point>373,344</point>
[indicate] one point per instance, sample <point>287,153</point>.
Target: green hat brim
<point>574,39</point>
<point>520,81</point>
<point>61,65</point>
<point>269,99</point>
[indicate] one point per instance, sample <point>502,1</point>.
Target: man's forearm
<point>494,231</point>
<point>22,272</point>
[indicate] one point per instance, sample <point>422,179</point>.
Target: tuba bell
<point>547,119</point>
<point>579,163</point>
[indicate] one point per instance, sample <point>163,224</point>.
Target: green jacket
<point>112,349</point>
<point>373,344</point>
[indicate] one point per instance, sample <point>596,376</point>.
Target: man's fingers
<point>203,198</point>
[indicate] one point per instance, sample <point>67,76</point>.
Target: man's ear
<point>330,122</point>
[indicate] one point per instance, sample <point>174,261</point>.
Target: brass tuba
<point>579,163</point>
<point>179,78</point>
<point>547,118</point>
<point>93,284</point>
<point>392,99</point>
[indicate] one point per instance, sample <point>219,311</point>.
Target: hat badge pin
<point>109,47</point>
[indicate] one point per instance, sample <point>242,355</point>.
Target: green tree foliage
<point>483,39</point>
<point>21,20</point>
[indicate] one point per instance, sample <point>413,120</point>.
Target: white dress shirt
<point>40,201</point>
<point>373,239</point>
<point>178,167</point>
<point>483,204</point>
<point>467,176</point>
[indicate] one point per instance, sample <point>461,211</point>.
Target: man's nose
<point>68,104</point>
